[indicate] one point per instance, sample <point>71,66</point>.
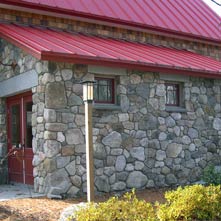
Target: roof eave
<point>58,57</point>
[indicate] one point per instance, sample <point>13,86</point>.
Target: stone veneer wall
<point>139,144</point>
<point>3,146</point>
<point>109,31</point>
<point>8,54</point>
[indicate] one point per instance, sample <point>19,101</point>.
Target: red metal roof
<point>192,18</point>
<point>63,46</point>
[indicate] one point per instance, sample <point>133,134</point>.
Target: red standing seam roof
<point>57,45</point>
<point>190,18</point>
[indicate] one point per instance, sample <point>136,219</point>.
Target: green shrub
<point>127,208</point>
<point>211,176</point>
<point>191,203</point>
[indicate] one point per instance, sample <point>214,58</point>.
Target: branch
<point>216,2</point>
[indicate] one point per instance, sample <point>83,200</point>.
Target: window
<point>104,90</point>
<point>172,94</point>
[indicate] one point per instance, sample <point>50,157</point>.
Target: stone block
<point>102,184</point>
<point>74,136</point>
<point>173,150</point>
<point>113,139</point>
<point>138,153</point>
<point>120,163</point>
<point>136,179</point>
<point>55,95</point>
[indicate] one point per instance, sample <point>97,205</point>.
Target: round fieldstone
<point>162,136</point>
<point>51,148</point>
<point>60,137</point>
<point>67,118</point>
<point>135,79</point>
<point>186,140</point>
<point>101,182</point>
<point>76,180</point>
<point>99,151</point>
<point>173,150</point>
<point>119,186</point>
<point>136,179</point>
<point>192,147</point>
<point>160,155</point>
<point>171,179</point>
<point>176,116</point>
<point>139,165</point>
<point>74,136</point>
<point>160,91</point>
<point>125,103</point>
<point>71,168</point>
<point>113,139</point>
<point>62,161</point>
<point>120,163</point>
<point>47,77</point>
<point>49,115</point>
<point>170,122</point>
<point>142,90</point>
<point>149,122</point>
<point>59,179</point>
<point>66,74</point>
<point>73,192</point>
<point>193,133</point>
<point>195,90</point>
<point>217,124</point>
<point>73,100</point>
<point>109,171</point>
<point>154,103</point>
<point>55,96</point>
<point>138,153</point>
<point>71,210</point>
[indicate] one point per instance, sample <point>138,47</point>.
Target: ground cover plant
<point>195,203</point>
<point>211,175</point>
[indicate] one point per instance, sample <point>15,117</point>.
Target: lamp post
<point>88,100</point>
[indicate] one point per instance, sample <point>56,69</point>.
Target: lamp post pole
<point>89,151</point>
<point>88,100</point>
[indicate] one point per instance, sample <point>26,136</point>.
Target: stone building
<point>157,108</point>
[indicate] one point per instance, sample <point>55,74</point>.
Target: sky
<point>214,6</point>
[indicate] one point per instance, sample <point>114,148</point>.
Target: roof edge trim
<point>59,57</point>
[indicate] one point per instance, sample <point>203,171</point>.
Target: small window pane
<point>15,125</point>
<point>172,94</point>
<point>28,138</point>
<point>104,90</point>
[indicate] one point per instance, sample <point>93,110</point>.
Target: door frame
<point>18,99</point>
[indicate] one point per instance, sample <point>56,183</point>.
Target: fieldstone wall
<point>143,145</point>
<point>139,144</point>
<point>58,129</point>
<point>25,62</point>
<point>3,146</point>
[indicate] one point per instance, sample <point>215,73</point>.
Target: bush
<point>211,175</point>
<point>191,203</point>
<point>127,208</point>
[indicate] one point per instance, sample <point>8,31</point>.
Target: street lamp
<point>88,100</point>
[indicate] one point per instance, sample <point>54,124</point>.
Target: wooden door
<point>19,111</point>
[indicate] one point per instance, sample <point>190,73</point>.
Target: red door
<point>19,111</point>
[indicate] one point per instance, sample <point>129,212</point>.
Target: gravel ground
<point>43,209</point>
